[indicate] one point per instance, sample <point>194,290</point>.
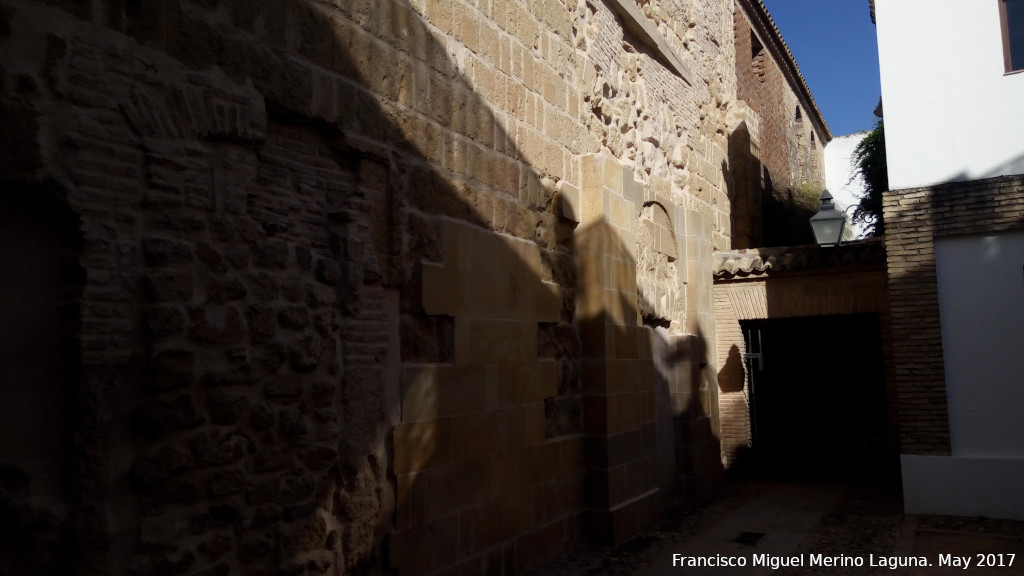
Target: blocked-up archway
<point>804,357</point>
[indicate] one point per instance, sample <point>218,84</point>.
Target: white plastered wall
<point>951,113</point>
<point>846,187</point>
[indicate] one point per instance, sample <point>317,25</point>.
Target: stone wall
<point>353,286</point>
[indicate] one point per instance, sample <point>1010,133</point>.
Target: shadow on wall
<point>1012,166</point>
<point>761,215</point>
<point>743,172</point>
<point>690,462</point>
<point>647,405</point>
<point>787,213</point>
<point>255,260</point>
<point>39,249</point>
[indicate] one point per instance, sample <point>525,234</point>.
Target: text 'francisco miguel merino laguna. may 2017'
<point>892,562</point>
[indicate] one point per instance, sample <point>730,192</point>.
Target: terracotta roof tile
<point>753,262</point>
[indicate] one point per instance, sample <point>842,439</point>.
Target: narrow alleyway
<point>766,523</point>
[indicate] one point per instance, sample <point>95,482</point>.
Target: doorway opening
<point>816,391</point>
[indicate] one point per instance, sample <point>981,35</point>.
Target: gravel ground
<point>867,520</point>
<point>681,520</point>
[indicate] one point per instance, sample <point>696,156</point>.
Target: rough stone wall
<point>913,219</point>
<point>671,133</point>
<point>792,150</point>
<point>233,332</point>
<point>329,319</point>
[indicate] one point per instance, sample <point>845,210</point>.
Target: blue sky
<point>834,45</point>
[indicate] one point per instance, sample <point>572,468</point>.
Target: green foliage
<point>808,195</point>
<point>869,163</point>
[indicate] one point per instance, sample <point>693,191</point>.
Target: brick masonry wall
<point>914,218</point>
<point>787,152</point>
<point>277,203</point>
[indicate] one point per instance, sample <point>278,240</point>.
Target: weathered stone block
<point>237,256</point>
<point>488,341</point>
<point>292,425</point>
<point>225,482</point>
<point>171,369</point>
<point>431,392</point>
<point>422,445</point>
<point>282,387</point>
<point>295,318</point>
<point>217,326</point>
<point>226,378</point>
<point>273,459</point>
<point>270,356</point>
<point>215,546</point>
<point>179,492</point>
<point>305,354</point>
<point>164,321</point>
<point>216,516</point>
<point>159,417</point>
<point>254,548</point>
<point>226,289</point>
<point>165,252</point>
<point>216,449</point>
<point>328,271</point>
<point>319,458</point>
<point>270,254</point>
<point>163,529</point>
<point>160,465</point>
<point>297,487</point>
<point>317,295</point>
<point>260,321</point>
<point>210,257</point>
<point>440,293</point>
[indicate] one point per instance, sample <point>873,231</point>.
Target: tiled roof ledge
<point>753,262</point>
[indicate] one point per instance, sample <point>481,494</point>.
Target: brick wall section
<point>914,218</point>
<point>785,142</point>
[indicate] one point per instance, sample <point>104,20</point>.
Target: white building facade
<point>952,111</point>
<point>953,90</point>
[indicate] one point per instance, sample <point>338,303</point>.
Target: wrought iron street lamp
<point>828,223</point>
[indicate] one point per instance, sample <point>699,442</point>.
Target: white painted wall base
<point>961,486</point>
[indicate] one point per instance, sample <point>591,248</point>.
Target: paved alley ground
<point>800,529</point>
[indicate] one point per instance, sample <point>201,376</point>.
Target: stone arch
<point>660,294</point>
